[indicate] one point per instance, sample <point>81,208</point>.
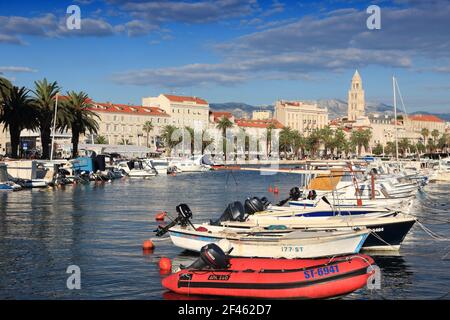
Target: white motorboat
<point>288,244</point>
<point>442,171</point>
<point>197,163</point>
<point>136,169</point>
<point>161,165</point>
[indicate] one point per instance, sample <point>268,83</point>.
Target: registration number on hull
<point>319,272</point>
<point>291,249</point>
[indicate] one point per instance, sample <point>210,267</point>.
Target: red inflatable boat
<point>275,278</point>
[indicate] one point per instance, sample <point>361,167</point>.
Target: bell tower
<point>356,100</point>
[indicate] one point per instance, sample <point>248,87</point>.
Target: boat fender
<point>160,215</point>
<point>165,264</point>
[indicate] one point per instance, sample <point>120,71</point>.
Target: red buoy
<point>270,189</point>
<point>275,190</point>
<point>165,264</point>
<point>160,216</point>
<point>148,245</point>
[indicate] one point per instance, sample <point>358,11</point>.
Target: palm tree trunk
<point>147,140</point>
<point>45,141</point>
<point>75,139</point>
<point>15,141</point>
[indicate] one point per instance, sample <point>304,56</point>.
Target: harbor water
<point>100,227</point>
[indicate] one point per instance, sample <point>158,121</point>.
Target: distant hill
<point>336,108</point>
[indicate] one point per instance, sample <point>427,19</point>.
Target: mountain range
<point>336,108</point>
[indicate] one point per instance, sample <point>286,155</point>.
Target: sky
<point>250,51</point>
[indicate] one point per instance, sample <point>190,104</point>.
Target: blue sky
<point>249,51</point>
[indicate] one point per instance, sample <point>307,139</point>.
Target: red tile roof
<point>258,123</point>
<point>217,115</point>
<point>425,117</point>
<point>124,108</point>
<point>174,98</point>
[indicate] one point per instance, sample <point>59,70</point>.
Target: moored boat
<point>213,274</point>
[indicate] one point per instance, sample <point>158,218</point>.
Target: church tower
<point>356,100</point>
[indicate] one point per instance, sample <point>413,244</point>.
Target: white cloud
<point>15,69</point>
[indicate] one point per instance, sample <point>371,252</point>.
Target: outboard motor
<point>253,205</point>
<point>266,202</point>
<point>211,257</point>
<point>234,212</point>
<point>294,194</point>
<point>183,218</point>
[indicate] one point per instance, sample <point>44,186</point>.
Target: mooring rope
<point>431,233</point>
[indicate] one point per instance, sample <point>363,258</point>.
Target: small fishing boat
<point>283,243</point>
<point>214,274</point>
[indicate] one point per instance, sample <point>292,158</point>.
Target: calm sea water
<point>101,227</point>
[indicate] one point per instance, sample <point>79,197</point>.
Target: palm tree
<point>101,140</point>
<point>44,101</point>
<point>16,114</point>
<point>224,124</point>
<point>313,142</point>
<point>206,141</point>
<point>339,141</point>
<point>191,133</point>
<point>404,145</point>
<point>269,131</point>
<point>298,143</point>
<point>326,136</point>
<point>390,148</point>
<point>361,138</point>
<point>378,150</point>
<point>167,136</point>
<point>148,127</point>
<point>285,140</point>
<point>78,117</point>
<point>425,133</point>
<point>435,135</point>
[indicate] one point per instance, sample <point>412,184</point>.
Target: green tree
<point>79,119</point>
<point>378,150</point>
<point>390,148</point>
<point>206,140</point>
<point>101,140</point>
<point>420,147</point>
<point>298,143</point>
<point>16,114</point>
<point>361,138</point>
<point>425,133</point>
<point>224,124</point>
<point>285,141</point>
<point>313,142</point>
<point>44,101</point>
<point>327,138</point>
<point>435,135</point>
<point>339,141</point>
<point>168,137</point>
<point>269,131</point>
<point>147,127</point>
<point>403,146</point>
<point>444,142</point>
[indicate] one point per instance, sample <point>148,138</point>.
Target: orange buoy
<point>165,264</point>
<point>148,245</point>
<point>160,215</point>
<point>275,189</point>
<point>270,189</point>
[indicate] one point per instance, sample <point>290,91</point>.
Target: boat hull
<point>269,247</point>
<point>276,278</point>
